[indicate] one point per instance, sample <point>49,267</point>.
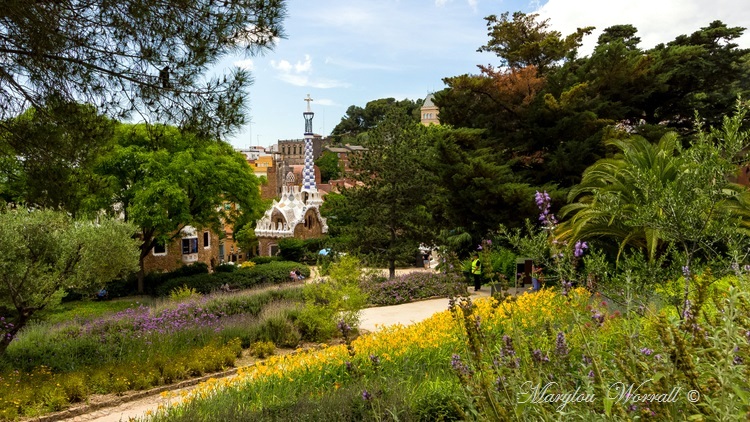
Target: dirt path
<point>138,405</point>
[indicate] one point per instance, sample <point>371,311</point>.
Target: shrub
<point>261,349</point>
<point>412,286</point>
<point>265,259</point>
<point>225,268</point>
<point>437,400</point>
<point>183,292</point>
<point>316,323</point>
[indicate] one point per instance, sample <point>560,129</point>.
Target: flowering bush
<point>412,286</point>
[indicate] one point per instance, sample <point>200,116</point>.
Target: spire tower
<point>308,173</point>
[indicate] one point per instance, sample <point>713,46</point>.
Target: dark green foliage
<point>504,262</point>
<point>329,166</point>
<point>386,216</point>
<point>225,268</point>
<point>524,41</point>
<point>242,278</point>
<point>48,156</point>
<point>360,120</point>
<point>300,250</point>
<point>148,58</point>
<point>266,259</point>
<point>411,287</point>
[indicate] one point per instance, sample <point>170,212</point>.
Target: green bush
<point>225,268</point>
<point>504,262</point>
<point>316,323</point>
<point>438,401</point>
<point>265,259</point>
<point>261,349</point>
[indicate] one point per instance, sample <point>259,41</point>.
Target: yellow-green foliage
<point>247,264</point>
<point>183,292</point>
<point>262,349</point>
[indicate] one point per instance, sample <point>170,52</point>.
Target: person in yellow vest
<point>476,272</point>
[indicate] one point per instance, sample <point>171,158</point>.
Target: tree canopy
<point>359,120</point>
<point>163,179</point>
<point>44,252</point>
<point>385,215</point>
<point>49,156</point>
<point>134,57</point>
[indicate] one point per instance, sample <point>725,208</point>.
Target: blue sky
<point>349,52</point>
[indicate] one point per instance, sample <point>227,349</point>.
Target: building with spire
<point>429,112</point>
<point>297,213</point>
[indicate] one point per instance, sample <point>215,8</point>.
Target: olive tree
<point>44,252</point>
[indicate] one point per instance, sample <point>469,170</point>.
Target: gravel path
<point>149,401</point>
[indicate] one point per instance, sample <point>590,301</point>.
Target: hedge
<point>242,278</point>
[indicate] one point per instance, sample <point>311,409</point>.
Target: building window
<point>206,240</point>
<point>189,245</point>
<point>159,250</point>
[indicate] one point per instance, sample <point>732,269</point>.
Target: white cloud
<point>282,65</point>
<point>657,21</point>
<point>304,67</point>
<point>301,74</point>
<point>245,64</point>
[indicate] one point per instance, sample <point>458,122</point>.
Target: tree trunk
<point>9,335</point>
<point>141,269</point>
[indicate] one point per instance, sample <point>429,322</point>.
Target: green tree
<point>703,71</point>
<point>524,41</point>
<point>475,190</point>
<point>359,120</point>
<point>44,252</point>
<point>142,57</point>
<point>386,216</point>
<point>650,195</point>
<point>49,156</point>
<point>329,166</point>
<point>163,179</point>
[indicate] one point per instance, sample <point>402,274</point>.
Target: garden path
<point>372,319</point>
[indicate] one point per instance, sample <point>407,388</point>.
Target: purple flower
<point>597,316</point>
<point>686,271</point>
<point>375,360</point>
<point>580,247</point>
<point>479,247</point>
<point>507,349</point>
<point>459,366</point>
<point>687,314</point>
<point>646,351</point>
<point>344,328</point>
<point>587,360</point>
<point>566,286</point>
<point>366,395</point>
<point>591,374</point>
<point>539,357</point>
<point>561,346</point>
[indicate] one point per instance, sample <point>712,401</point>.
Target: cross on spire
<point>308,99</point>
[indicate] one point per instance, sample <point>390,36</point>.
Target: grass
<point>87,310</point>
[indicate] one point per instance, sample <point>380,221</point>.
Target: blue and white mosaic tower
<point>308,173</point>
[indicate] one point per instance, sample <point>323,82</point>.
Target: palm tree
<point>614,192</point>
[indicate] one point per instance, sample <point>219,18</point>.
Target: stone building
<point>191,246</point>
<point>429,112</point>
<point>297,213</point>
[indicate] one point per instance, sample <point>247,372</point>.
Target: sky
<point>350,52</point>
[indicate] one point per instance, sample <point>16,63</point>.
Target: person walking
<point>476,272</point>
